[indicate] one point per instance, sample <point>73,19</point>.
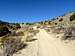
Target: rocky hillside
<point>64,20</point>
<point>62,24</point>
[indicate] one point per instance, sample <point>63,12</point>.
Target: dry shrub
<point>61,19</point>
<point>20,33</point>
<point>12,45</point>
<point>14,33</point>
<point>4,30</point>
<point>58,29</point>
<point>29,38</point>
<point>35,32</point>
<point>72,17</point>
<point>55,23</point>
<point>38,27</point>
<point>48,30</point>
<point>69,33</point>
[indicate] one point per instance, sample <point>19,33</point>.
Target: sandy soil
<point>46,45</point>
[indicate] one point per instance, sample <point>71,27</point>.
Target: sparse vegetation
<point>55,23</point>
<point>61,19</point>
<point>72,17</point>
<point>18,25</point>
<point>3,30</point>
<point>49,22</point>
<point>13,42</point>
<point>11,45</point>
<point>69,33</point>
<point>31,33</point>
<point>21,33</point>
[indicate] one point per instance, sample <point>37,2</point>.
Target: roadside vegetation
<point>16,38</point>
<point>61,25</point>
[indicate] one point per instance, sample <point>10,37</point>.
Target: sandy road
<point>50,46</point>
<point>47,45</point>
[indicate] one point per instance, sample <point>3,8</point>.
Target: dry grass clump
<point>69,33</point>
<point>48,30</point>
<point>38,26</point>
<point>30,39</point>
<point>61,19</point>
<point>35,32</point>
<point>58,30</point>
<point>31,30</point>
<point>21,33</point>
<point>11,45</point>
<point>31,34</point>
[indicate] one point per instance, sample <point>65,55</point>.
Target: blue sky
<point>33,10</point>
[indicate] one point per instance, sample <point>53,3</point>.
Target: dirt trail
<point>47,45</point>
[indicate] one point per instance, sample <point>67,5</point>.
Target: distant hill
<point>2,22</point>
<point>64,20</point>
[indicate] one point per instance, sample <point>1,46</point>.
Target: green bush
<point>3,30</point>
<point>60,20</point>
<point>72,17</point>
<point>18,25</point>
